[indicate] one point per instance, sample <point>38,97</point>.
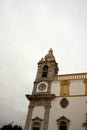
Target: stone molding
<point>36,120</point>
<point>63,118</point>
<point>36,97</point>
<point>36,85</point>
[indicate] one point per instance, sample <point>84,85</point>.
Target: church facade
<point>57,102</point>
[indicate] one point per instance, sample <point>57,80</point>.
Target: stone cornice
<point>40,97</point>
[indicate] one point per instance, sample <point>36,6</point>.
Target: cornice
<point>40,97</point>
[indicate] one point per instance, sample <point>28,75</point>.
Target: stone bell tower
<point>41,97</point>
<point>47,67</point>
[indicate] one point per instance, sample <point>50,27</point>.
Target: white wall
<point>77,87</point>
<point>76,109</point>
<point>38,111</point>
<point>55,88</point>
<point>75,112</point>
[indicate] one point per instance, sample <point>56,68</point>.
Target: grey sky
<point>28,29</point>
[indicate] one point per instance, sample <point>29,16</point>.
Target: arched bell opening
<point>45,71</point>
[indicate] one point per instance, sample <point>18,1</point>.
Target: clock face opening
<point>42,87</point>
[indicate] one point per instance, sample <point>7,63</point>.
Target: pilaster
<point>46,117</point>
<point>28,119</point>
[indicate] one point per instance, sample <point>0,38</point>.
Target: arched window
<point>45,71</point>
<point>36,123</point>
<point>36,126</point>
<point>63,125</point>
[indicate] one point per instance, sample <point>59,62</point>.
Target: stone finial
<point>41,61</point>
<point>50,51</point>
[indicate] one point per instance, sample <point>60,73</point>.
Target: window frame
<point>36,120</point>
<point>61,125</point>
<point>59,120</point>
<point>33,127</point>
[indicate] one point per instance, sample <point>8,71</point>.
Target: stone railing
<point>71,76</point>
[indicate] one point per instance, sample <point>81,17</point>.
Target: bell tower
<point>40,99</point>
<point>47,67</point>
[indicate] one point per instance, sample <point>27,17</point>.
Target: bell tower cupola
<point>47,67</point>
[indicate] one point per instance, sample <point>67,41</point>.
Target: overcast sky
<point>28,29</point>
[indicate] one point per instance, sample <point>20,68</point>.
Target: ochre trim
<point>72,96</point>
<point>85,82</point>
<point>64,87</point>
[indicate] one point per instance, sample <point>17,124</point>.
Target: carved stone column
<point>28,119</point>
<point>46,117</point>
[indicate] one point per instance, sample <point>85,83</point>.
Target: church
<point>57,102</point>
